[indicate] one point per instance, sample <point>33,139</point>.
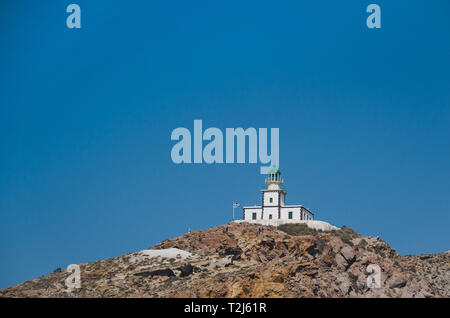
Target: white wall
<point>268,196</point>
<point>270,210</point>
<point>249,212</point>
<point>317,225</point>
<point>307,215</point>
<point>295,213</point>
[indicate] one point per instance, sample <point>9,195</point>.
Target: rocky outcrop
<point>237,260</point>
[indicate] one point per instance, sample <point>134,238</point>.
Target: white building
<point>273,204</point>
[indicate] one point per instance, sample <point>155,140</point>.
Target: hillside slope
<point>236,260</point>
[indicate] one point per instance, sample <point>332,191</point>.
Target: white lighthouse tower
<point>273,211</point>
<point>273,196</point>
<point>273,203</point>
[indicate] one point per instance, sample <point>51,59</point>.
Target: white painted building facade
<point>273,204</point>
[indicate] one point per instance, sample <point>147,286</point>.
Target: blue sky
<point>86,117</point>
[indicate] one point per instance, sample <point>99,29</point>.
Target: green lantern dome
<point>274,170</point>
<point>274,178</point>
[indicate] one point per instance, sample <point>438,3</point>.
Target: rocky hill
<point>237,260</point>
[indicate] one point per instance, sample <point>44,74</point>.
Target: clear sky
<point>86,117</point>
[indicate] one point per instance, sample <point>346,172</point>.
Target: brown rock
<point>348,253</point>
<point>239,262</point>
<point>397,281</point>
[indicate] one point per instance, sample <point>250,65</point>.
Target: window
<point>254,216</point>
<point>270,200</point>
<point>270,216</point>
<point>289,215</point>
